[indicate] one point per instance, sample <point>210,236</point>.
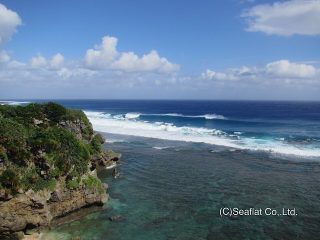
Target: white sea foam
<point>170,114</point>
<point>274,146</point>
<point>108,140</point>
<point>205,116</point>
<point>132,115</point>
<point>160,148</point>
<point>13,102</point>
<point>136,115</point>
<point>212,116</point>
<point>131,126</point>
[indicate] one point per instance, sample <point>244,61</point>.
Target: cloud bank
<point>279,72</point>
<point>295,17</point>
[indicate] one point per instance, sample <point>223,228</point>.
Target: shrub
<point>94,183</point>
<point>74,183</point>
<point>66,151</point>
<point>13,137</point>
<point>27,114</point>
<point>96,143</point>
<point>42,184</point>
<point>3,154</point>
<point>29,178</point>
<point>55,112</point>
<point>9,179</point>
<point>8,111</point>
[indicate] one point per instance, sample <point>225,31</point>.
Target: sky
<point>168,49</point>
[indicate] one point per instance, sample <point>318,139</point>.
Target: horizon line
<point>157,99</point>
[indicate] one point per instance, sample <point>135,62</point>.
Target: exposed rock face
<point>20,212</point>
<point>30,209</point>
<point>65,201</point>
<point>104,160</point>
<point>78,127</point>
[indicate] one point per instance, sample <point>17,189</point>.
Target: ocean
<point>280,128</point>
<point>184,161</point>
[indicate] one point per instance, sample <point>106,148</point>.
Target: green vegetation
<point>74,183</point>
<point>44,184</point>
<point>9,179</point>
<point>3,155</point>
<point>93,183</point>
<point>40,143</point>
<point>13,138</point>
<point>96,142</point>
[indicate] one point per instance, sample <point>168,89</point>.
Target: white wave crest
<point>167,131</point>
<point>212,116</point>
<point>160,148</point>
<point>205,116</point>
<point>132,115</point>
<point>13,102</point>
<point>171,114</point>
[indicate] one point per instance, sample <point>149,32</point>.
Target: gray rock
<point>116,218</point>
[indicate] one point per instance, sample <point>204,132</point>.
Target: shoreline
<point>33,236</point>
<point>42,233</point>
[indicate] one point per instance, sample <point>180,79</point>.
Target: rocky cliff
<point>49,156</point>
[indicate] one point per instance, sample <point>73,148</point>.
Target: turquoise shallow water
<point>174,190</point>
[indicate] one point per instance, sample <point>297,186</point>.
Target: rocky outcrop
<point>35,209</point>
<point>78,127</point>
<point>65,201</point>
<point>49,157</point>
<point>104,160</point>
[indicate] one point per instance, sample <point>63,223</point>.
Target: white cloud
<point>130,62</point>
<point>38,61</point>
<point>4,57</point>
<point>9,20</point>
<point>232,74</point>
<point>284,68</point>
<point>213,75</point>
<point>285,18</point>
<point>75,72</point>
<point>282,71</point>
<point>102,55</point>
<point>102,66</point>
<point>106,56</point>
<point>57,60</point>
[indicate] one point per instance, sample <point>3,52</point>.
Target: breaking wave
<point>131,125</point>
<point>13,102</point>
<point>136,115</point>
<point>132,115</point>
<point>205,116</point>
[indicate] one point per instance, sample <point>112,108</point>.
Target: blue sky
<point>233,49</point>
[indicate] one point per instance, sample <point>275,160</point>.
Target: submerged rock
<point>116,218</point>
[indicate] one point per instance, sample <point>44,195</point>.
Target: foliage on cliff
<point>41,143</point>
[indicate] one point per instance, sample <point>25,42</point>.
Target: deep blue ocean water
<point>282,128</point>
<point>184,160</point>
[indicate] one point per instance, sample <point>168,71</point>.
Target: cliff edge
<point>49,157</point>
